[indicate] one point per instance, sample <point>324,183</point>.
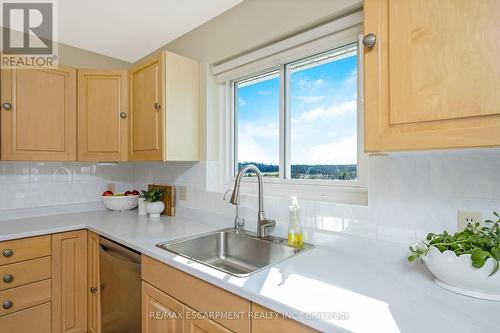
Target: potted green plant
<point>154,202</point>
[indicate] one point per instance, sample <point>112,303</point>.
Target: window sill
<point>335,193</point>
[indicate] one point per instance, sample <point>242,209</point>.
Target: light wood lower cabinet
<point>69,282</point>
<point>160,312</point>
<point>268,321</point>
<point>32,320</point>
<point>93,285</point>
<point>38,116</point>
<point>102,115</point>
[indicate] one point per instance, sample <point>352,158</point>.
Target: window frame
<point>340,191</point>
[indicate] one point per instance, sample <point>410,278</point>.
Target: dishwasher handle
<point>119,252</point>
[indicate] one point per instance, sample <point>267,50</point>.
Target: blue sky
<point>323,116</point>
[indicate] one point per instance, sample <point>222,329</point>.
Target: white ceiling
<point>131,29</point>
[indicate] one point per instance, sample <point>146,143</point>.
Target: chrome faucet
<point>263,224</point>
<point>239,224</point>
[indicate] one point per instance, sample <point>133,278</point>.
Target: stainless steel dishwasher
<point>120,275</point>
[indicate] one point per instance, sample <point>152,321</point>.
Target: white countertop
<point>355,284</point>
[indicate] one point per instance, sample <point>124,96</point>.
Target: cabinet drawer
<point>23,297</point>
<point>32,320</point>
<point>266,320</point>
<point>197,294</point>
<point>20,273</point>
<point>24,249</point>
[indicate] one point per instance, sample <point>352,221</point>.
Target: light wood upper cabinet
<point>93,284</point>
<point>102,115</point>
<point>164,109</point>
<point>69,282</point>
<point>38,116</point>
<point>432,78</point>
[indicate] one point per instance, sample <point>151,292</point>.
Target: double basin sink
<point>236,253</point>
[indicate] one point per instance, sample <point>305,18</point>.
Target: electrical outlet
<point>466,217</point>
<point>183,193</point>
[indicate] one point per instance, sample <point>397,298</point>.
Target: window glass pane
<point>323,116</point>
<point>257,123</point>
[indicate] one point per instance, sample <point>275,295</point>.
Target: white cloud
<point>310,99</point>
<point>258,142</point>
<point>322,113</point>
<point>263,92</point>
<point>241,101</point>
<point>342,151</point>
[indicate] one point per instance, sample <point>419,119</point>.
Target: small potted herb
<point>467,261</point>
<point>154,202</point>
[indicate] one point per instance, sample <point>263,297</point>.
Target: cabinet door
<point>146,109</point>
<point>432,78</point>
<point>69,282</point>
<point>160,312</point>
<point>102,115</point>
<point>93,285</point>
<point>38,118</point>
<point>195,322</point>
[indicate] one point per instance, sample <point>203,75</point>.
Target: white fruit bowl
<point>120,203</point>
<point>457,274</point>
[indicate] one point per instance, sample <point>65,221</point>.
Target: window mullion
<point>283,171</point>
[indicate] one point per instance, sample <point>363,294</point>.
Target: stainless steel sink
<point>239,254</point>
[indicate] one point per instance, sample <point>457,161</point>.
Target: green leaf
<point>412,258</point>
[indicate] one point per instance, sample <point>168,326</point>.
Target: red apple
<point>129,193</point>
<point>135,192</point>
<point>107,193</point>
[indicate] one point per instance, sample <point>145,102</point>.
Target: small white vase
<point>154,209</point>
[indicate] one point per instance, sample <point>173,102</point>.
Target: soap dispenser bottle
<point>295,238</point>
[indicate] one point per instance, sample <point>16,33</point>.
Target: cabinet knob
<point>7,305</point>
<point>7,253</point>
<point>7,278</point>
<point>123,115</point>
<point>7,106</point>
<point>93,290</point>
<point>369,40</point>
<point>157,106</point>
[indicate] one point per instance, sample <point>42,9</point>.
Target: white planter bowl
<point>457,274</point>
<point>155,209</point>
<point>120,203</point>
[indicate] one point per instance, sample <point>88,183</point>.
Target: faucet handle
<point>226,193</point>
<point>264,227</point>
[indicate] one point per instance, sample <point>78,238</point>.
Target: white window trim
<point>349,192</point>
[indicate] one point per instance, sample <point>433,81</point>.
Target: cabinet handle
<point>7,305</point>
<point>369,40</point>
<point>7,278</point>
<point>157,106</point>
<point>123,115</point>
<point>7,253</point>
<point>7,106</point>
<point>93,290</point>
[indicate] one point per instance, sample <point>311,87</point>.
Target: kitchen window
<point>300,122</point>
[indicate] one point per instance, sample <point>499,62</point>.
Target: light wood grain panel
<point>24,249</point>
<point>197,294</point>
<point>182,108</point>
<point>268,321</point>
<point>32,320</point>
<point>26,296</point>
<point>195,322</point>
<point>69,282</point>
<point>431,77</point>
<point>25,272</point>
<point>160,312</point>
<point>102,133</point>
<point>42,122</point>
<point>147,87</point>
<point>93,299</point>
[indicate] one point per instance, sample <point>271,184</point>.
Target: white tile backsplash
<point>37,184</point>
<point>409,194</point>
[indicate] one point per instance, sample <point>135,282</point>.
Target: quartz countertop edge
<point>368,280</point>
